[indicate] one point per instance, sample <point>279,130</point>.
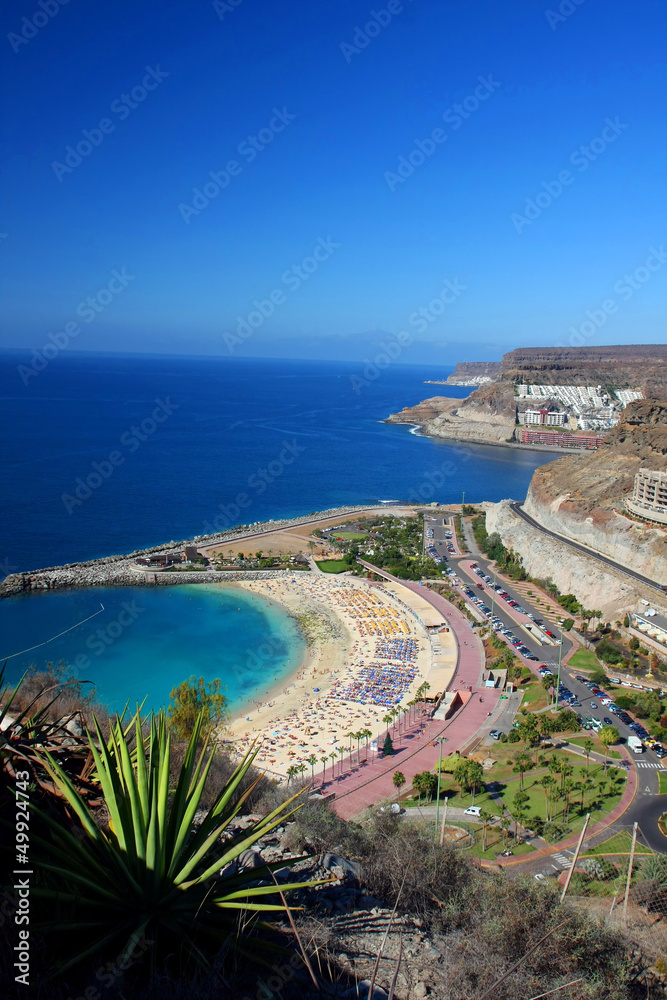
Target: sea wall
<point>595,585</point>
<point>117,571</point>
<point>121,575</point>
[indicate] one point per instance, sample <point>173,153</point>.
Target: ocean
<point>146,641</point>
<point>104,454</point>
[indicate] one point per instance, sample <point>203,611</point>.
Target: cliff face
<point>579,496</point>
<point>471,372</point>
<point>595,585</point>
<point>643,366</point>
<point>485,417</point>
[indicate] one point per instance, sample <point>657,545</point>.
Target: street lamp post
<point>560,657</point>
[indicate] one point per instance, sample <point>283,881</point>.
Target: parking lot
<point>511,615</point>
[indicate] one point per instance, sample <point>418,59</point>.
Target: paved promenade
<point>415,750</point>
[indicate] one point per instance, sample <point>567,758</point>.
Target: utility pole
<point>437,804</point>
<point>575,858</point>
<point>444,822</point>
<point>630,863</point>
<point>463,502</point>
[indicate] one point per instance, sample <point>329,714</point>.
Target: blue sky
<point>336,111</point>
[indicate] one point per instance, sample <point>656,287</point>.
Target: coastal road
<point>647,764</point>
<point>518,510</point>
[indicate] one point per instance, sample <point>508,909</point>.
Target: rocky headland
<point>470,373</point>
<point>488,414</point>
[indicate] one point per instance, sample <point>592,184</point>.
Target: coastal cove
<point>147,640</point>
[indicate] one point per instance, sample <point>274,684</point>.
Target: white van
<point>635,744</point>
<point>473,811</point>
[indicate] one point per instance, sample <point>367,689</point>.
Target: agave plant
<point>152,875</point>
<point>28,731</point>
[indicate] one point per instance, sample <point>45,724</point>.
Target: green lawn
<point>495,843</point>
<point>534,695</point>
<point>593,802</point>
<point>349,536</point>
<point>662,784</point>
<point>584,659</point>
<point>597,746</point>
<point>620,844</point>
<point>332,566</point>
<point>461,800</point>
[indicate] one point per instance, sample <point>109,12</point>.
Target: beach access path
<point>416,748</point>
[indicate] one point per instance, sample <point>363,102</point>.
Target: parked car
<point>473,811</point>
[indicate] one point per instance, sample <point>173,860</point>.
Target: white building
<point>548,417</point>
<point>649,496</point>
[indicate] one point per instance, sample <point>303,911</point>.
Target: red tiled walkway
<point>415,750</point>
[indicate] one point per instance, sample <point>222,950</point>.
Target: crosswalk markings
<point>649,763</point>
<point>562,860</point>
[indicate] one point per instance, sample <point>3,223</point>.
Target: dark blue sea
<point>170,444</point>
<point>104,454</point>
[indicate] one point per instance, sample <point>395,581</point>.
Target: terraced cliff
<point>582,497</point>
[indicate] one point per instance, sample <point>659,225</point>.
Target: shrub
<point>195,699</point>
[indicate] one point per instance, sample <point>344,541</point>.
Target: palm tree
<point>291,773</point>
<point>301,768</point>
<point>547,782</point>
<point>341,753</point>
<point>387,719</point>
<point>359,735</point>
<point>505,823</point>
<point>520,800</point>
<point>588,746</point>
<point>398,780</point>
<point>566,772</point>
<point>519,815</point>
<point>312,760</point>
<point>419,785</point>
<point>568,788</point>
<point>484,816</point>
<point>332,757</point>
<point>588,784</point>
<point>324,766</point>
<point>366,734</point>
<point>522,762</point>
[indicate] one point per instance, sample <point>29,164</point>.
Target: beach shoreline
<point>367,653</point>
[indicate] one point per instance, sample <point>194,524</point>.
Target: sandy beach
<point>367,652</point>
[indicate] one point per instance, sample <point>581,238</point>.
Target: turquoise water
<point>146,641</point>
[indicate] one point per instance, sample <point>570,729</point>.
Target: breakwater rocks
<point>121,570</point>
<point>121,575</point>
